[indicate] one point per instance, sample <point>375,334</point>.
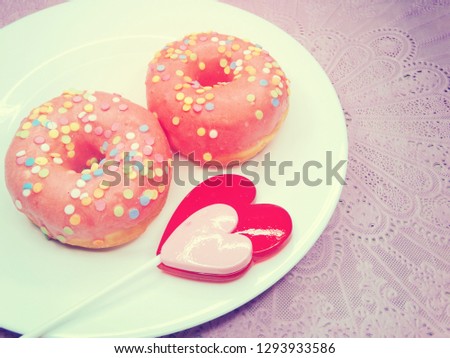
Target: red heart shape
<point>268,226</point>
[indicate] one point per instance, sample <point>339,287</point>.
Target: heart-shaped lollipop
<point>206,237</point>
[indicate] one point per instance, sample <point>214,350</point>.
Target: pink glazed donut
<point>218,98</point>
<point>90,169</point>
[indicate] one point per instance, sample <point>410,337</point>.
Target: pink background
<point>382,266</point>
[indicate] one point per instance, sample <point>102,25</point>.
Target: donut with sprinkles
<point>90,169</point>
<point>218,98</point>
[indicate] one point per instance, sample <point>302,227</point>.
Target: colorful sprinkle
<point>66,139</point>
<point>133,213</point>
<point>86,201</point>
<point>150,140</point>
<point>213,133</point>
<point>105,106</point>
<point>201,132</point>
<point>179,96</point>
<point>23,134</point>
<point>197,107</point>
<point>98,172</point>
<point>88,108</point>
<point>147,150</point>
<point>37,187</point>
<point>19,204</point>
<point>144,200</point>
<point>263,83</point>
<point>98,130</point>
<point>45,147</point>
<point>144,128</point>
<point>61,238</point>
<point>88,128</point>
<point>53,133</point>
<point>29,162</point>
<point>176,121</point>
<point>41,160</point>
<point>128,194</point>
<point>100,205</point>
<point>67,230</point>
<point>36,169</point>
<point>251,97</point>
<point>259,114</point>
<point>81,183</point>
<point>39,140</point>
<point>86,177</point>
<point>123,107</point>
<point>130,136</point>
<point>98,193</point>
<point>275,102</point>
<point>115,127</point>
<point>67,105</point>
<point>75,193</point>
<point>44,173</point>
<point>209,106</point>
<point>20,160</point>
<point>207,157</point>
<point>160,68</point>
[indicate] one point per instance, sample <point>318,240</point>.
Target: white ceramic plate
<point>106,46</point>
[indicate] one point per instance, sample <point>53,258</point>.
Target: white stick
<point>65,316</point>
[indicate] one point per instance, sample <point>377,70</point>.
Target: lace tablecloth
<point>382,266</point>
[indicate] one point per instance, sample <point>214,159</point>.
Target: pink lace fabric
<point>382,266</point>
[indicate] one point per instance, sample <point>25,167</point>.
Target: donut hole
<point>213,74</point>
<point>85,156</point>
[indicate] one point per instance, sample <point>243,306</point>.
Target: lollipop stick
<point>67,315</point>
